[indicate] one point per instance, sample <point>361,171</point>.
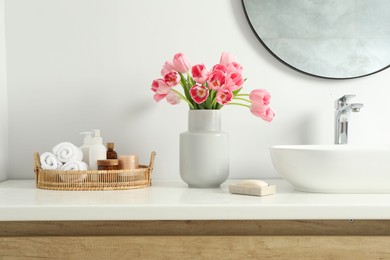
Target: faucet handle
<point>347,97</point>
<point>344,100</point>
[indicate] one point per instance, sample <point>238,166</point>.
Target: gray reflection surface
<point>326,38</point>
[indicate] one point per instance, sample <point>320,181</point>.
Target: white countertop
<point>172,200</point>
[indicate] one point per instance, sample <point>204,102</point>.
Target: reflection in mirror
<point>324,38</point>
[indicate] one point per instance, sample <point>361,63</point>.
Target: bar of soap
<point>252,187</point>
<point>253,183</point>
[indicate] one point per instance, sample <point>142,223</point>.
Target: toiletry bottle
<point>86,145</point>
<point>111,154</point>
<point>97,151</point>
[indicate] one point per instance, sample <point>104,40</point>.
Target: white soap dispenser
<point>86,145</point>
<point>97,151</point>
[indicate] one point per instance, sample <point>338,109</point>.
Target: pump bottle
<point>86,145</point>
<point>97,151</point>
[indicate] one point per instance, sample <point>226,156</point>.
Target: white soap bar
<point>253,183</point>
<point>252,187</point>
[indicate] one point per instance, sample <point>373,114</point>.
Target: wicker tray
<point>93,180</point>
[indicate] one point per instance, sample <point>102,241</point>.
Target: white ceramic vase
<point>204,151</point>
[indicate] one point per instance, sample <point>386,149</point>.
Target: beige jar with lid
<point>127,162</point>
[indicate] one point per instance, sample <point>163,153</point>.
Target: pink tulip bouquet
<point>209,89</point>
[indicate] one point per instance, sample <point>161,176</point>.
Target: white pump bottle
<point>97,151</point>
<point>86,145</point>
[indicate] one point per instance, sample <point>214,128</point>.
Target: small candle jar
<point>109,164</point>
<point>127,162</point>
<point>106,165</point>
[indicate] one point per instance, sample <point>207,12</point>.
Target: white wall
<point>78,65</point>
<point>3,100</point>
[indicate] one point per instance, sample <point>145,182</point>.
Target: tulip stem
<point>238,104</point>
<point>213,103</point>
<point>183,97</point>
<point>244,99</point>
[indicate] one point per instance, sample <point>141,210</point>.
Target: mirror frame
<point>292,67</point>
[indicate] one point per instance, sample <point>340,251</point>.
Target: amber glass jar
<point>111,154</point>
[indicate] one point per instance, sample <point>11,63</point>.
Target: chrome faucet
<point>343,109</point>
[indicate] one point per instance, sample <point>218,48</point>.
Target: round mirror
<point>324,38</point>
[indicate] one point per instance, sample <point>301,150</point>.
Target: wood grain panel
<point>196,247</point>
<point>197,228</point>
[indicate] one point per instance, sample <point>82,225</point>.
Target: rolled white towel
<point>73,166</point>
<point>66,152</point>
<point>49,161</point>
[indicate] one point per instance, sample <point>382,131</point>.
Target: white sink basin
<point>334,168</point>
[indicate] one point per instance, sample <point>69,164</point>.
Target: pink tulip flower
<point>159,97</point>
<point>173,98</point>
<point>160,88</point>
<point>227,58</point>
<point>168,66</point>
<point>216,79</point>
<point>234,67</point>
<point>260,96</point>
<point>172,78</point>
<point>269,115</point>
<point>181,63</point>
<point>234,81</point>
<point>224,96</point>
<point>200,73</point>
<point>264,112</point>
<point>199,93</point>
<point>220,67</point>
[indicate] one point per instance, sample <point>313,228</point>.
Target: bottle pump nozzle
<point>97,139</point>
<point>96,132</point>
<point>88,137</point>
